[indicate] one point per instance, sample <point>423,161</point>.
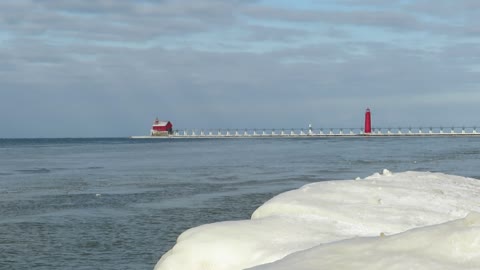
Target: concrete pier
<point>319,133</point>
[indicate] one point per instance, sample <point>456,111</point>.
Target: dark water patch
<point>34,171</point>
<point>421,169</point>
<point>469,151</point>
<point>225,178</point>
<point>325,172</point>
<point>95,168</point>
<point>293,181</point>
<point>361,162</point>
<point>340,173</point>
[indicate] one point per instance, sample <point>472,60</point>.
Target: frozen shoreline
<point>300,229</point>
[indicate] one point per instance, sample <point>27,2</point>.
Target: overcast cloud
<point>109,67</point>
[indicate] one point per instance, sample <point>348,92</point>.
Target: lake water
<point>121,203</point>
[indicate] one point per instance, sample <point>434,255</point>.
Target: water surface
<point>121,203</point>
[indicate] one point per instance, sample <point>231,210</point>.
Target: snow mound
<point>451,245</point>
<point>384,221</point>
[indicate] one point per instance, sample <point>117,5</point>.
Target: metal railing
<point>296,132</point>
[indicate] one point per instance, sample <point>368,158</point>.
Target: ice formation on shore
<point>410,220</point>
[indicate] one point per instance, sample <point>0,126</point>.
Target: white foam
<point>368,214</point>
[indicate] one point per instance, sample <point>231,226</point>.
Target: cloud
<point>76,65</point>
<point>387,19</point>
<point>115,20</point>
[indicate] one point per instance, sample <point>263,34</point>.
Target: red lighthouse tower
<point>368,122</point>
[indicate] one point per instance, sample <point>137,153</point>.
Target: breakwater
<point>321,132</point>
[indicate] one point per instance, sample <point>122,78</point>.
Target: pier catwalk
<point>317,133</point>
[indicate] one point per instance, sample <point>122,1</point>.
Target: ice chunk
<point>451,245</point>
<point>299,228</point>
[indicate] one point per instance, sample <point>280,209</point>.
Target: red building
<point>161,128</point>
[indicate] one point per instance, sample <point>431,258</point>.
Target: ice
<point>451,245</point>
<point>409,220</point>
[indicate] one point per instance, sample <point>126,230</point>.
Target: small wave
<point>33,171</point>
<point>95,168</point>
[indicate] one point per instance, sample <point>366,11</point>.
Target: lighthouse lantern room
<point>161,128</point>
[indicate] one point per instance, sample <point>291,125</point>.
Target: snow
<point>451,245</point>
<point>409,220</point>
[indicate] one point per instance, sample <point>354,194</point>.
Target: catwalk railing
<point>296,132</point>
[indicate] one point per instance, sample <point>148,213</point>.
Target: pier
<point>164,130</point>
<point>318,133</point>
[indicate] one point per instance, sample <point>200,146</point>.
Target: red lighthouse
<point>368,122</point>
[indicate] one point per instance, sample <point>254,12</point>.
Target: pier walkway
<point>315,133</point>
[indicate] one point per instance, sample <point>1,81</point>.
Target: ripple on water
<point>34,171</point>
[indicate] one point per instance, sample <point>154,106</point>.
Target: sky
<point>107,68</point>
